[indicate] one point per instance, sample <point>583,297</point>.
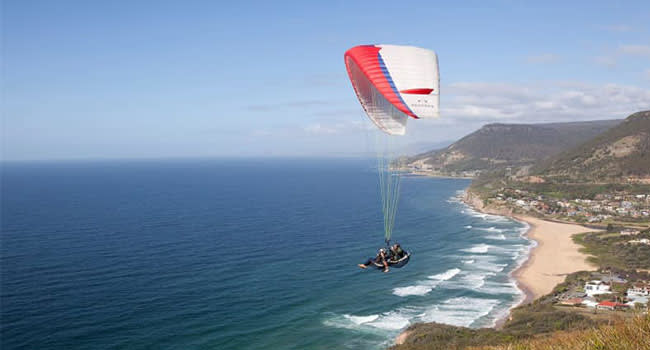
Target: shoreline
<point>428,174</point>
<point>553,256</point>
<point>550,259</point>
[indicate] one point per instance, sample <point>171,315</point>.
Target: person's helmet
<point>382,250</point>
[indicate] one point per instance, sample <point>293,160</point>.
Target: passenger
<point>396,252</point>
<point>379,259</point>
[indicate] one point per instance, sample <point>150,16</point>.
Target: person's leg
<point>364,265</point>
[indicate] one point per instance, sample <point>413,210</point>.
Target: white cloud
<point>635,50</point>
<point>618,28</point>
<point>541,102</point>
<point>468,105</point>
<point>286,105</point>
<point>607,61</point>
<point>611,59</point>
<point>544,58</point>
<point>319,128</point>
<point>261,133</point>
<point>329,128</point>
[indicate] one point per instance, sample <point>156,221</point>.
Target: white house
<point>629,232</point>
<point>596,287</point>
<point>589,302</point>
<point>640,241</point>
<point>638,289</point>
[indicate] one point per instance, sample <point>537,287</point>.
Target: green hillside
<point>620,153</point>
<point>497,146</point>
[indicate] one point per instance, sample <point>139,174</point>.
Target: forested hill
<point>620,153</point>
<point>497,146</point>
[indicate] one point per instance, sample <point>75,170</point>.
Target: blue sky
<point>138,79</point>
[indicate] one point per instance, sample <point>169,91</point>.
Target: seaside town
<point>603,208</point>
<point>623,242</point>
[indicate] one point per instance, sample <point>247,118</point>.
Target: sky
<point>169,79</point>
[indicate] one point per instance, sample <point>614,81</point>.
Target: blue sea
<point>239,254</point>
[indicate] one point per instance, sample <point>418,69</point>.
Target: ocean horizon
<point>240,254</point>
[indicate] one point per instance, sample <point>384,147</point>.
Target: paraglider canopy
<point>394,83</point>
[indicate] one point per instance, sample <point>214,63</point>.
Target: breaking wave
<point>446,275</point>
<point>388,321</point>
<point>426,286</point>
<point>460,311</point>
<point>479,248</point>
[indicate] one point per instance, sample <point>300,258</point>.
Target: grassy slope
<point>611,250</point>
<point>592,159</point>
<point>632,334</point>
<point>527,321</point>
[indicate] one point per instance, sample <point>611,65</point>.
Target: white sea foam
<point>491,229</point>
<point>468,226</point>
<point>471,261</point>
<point>472,280</point>
<point>349,322</point>
<point>393,320</point>
<point>421,289</point>
<point>486,262</point>
<point>426,286</point>
<point>487,266</point>
<point>477,280</point>
<point>361,319</point>
<point>462,311</point>
<point>500,237</point>
<point>525,227</point>
<point>388,321</point>
<point>487,217</point>
<point>446,275</point>
<point>479,248</point>
<point>459,311</point>
<point>507,250</point>
<point>509,287</point>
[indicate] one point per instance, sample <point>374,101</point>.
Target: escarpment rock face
<point>621,154</point>
<point>501,146</point>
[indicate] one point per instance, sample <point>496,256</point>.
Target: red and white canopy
<point>395,82</point>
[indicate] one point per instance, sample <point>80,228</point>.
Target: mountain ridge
<point>622,152</point>
<point>498,146</point>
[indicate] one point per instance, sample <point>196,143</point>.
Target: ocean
<point>239,254</point>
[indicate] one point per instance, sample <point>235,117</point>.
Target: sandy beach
<point>555,256</point>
